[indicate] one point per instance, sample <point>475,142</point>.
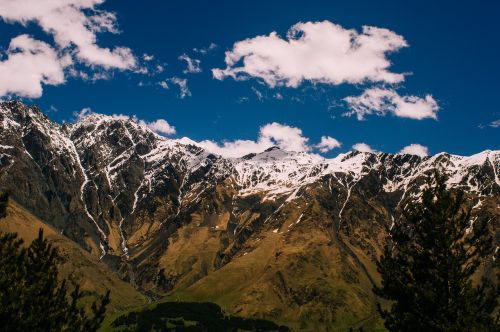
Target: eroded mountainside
<point>76,265</point>
<point>278,235</point>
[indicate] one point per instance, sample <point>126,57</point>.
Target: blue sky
<point>450,54</point>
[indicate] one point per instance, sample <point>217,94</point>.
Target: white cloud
<point>415,149</point>
<point>180,82</point>
<point>148,57</point>
<point>29,64</point>
<point>363,147</point>
<point>272,134</point>
<point>259,94</point>
<point>495,124</point>
<point>205,50</point>
<point>321,52</point>
<point>160,126</point>
<point>193,65</point>
<point>159,69</point>
<point>74,25</point>
<point>242,100</point>
<point>327,143</point>
<point>286,137</point>
<point>97,75</point>
<point>84,112</point>
<point>234,149</point>
<point>183,87</point>
<point>163,85</point>
<point>380,101</point>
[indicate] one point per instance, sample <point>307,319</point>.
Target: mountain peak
<point>20,113</point>
<point>272,148</point>
<point>146,203</point>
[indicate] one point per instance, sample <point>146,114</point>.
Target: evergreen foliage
<point>428,263</point>
<point>189,316</point>
<point>31,298</point>
<point>4,200</point>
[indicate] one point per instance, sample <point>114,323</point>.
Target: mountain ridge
<point>172,217</point>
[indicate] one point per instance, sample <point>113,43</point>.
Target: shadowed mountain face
<point>278,235</point>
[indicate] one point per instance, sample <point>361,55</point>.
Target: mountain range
<point>286,236</point>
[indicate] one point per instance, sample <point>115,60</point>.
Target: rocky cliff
<point>279,235</point>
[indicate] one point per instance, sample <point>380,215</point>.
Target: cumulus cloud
<point>273,134</point>
<point>183,87</point>
<point>74,25</point>
<point>327,143</point>
<point>192,65</point>
<point>363,147</point>
<point>321,52</point>
<point>29,64</point>
<point>415,149</point>
<point>286,137</point>
<point>160,126</point>
<point>380,101</point>
<point>234,149</point>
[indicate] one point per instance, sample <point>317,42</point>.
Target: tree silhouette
<point>4,199</point>
<point>428,262</point>
<point>31,298</point>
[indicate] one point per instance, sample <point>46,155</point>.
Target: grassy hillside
<point>78,266</point>
<point>297,271</point>
<point>283,282</point>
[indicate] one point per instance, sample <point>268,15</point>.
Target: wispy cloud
<point>205,50</point>
<point>164,85</point>
<point>148,57</point>
<point>192,65</point>
<point>183,87</point>
<point>259,94</point>
<point>495,124</point>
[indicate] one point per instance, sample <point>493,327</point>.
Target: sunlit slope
<point>78,266</point>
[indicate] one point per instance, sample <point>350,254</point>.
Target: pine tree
<point>428,262</point>
<point>4,200</point>
<point>31,298</point>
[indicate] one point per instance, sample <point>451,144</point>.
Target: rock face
<point>280,235</point>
